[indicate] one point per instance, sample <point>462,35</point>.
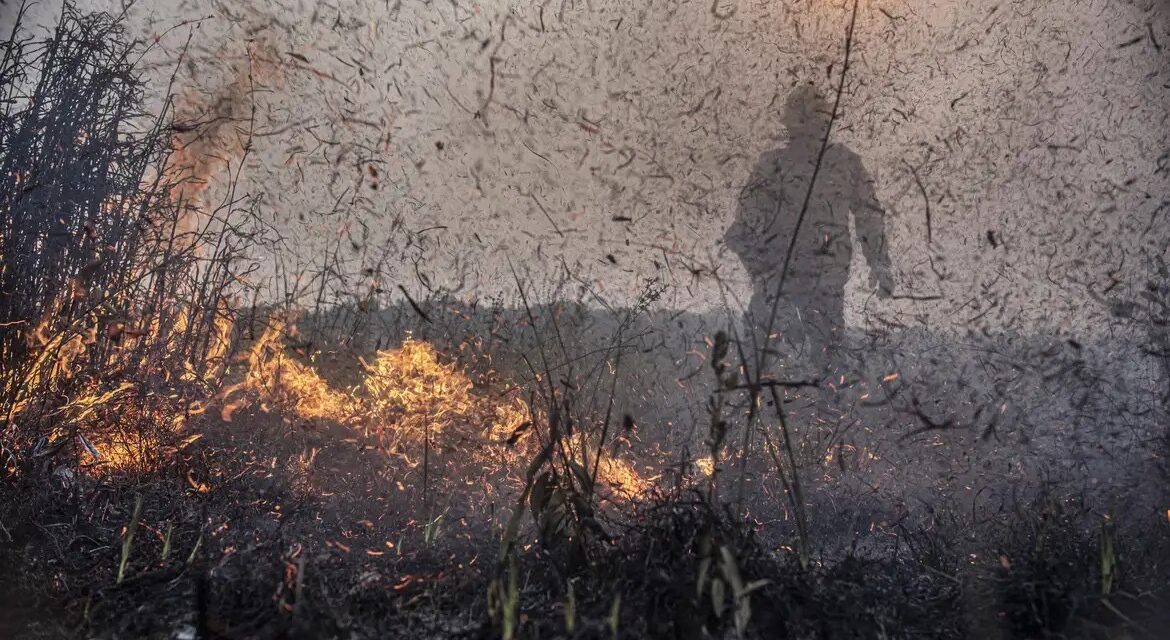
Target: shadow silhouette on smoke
<point>929,416</point>
<point>785,232</point>
<point>926,416</point>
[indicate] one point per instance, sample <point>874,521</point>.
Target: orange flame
<point>119,419</point>
<point>282,382</point>
<point>408,394</point>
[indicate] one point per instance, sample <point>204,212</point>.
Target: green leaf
<point>755,585</point>
<point>731,571</point>
<point>128,540</point>
<point>513,527</point>
<point>1108,562</point>
<point>701,583</point>
<point>743,615</point>
<point>195,549</point>
<point>718,597</point>
<point>570,609</point>
<point>431,532</point>
<point>583,477</point>
<point>615,610</point>
<point>541,492</point>
<point>511,604</point>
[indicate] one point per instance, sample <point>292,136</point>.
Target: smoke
<point>216,116</point>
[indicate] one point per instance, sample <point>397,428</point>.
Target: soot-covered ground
<point>273,524</point>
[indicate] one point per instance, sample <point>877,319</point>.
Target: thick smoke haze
<point>438,141</point>
<point>858,310</point>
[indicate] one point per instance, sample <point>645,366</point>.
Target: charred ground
<point>177,464</point>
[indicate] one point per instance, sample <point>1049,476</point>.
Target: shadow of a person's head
<point>756,235</point>
<point>806,113</point>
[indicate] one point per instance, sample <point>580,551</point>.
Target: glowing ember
<point>123,419</point>
<point>410,395</point>
<point>408,388</point>
<point>282,382</point>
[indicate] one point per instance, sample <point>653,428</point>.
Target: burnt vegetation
<point>180,461</point>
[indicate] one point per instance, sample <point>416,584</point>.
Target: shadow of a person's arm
<point>869,222</point>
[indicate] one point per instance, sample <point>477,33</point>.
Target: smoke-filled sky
<point>440,140</point>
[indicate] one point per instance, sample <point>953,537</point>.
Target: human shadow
<point>785,232</point>
<point>931,416</point>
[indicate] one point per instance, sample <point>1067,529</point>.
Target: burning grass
<point>281,382</point>
<point>112,396</point>
<point>427,499</point>
<point>116,312</point>
<point>409,390</point>
<point>410,401</point>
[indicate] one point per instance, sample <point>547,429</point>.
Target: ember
<point>539,320</point>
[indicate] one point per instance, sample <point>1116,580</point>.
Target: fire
<point>118,404</point>
<point>408,388</point>
<point>130,320</point>
<point>705,466</point>
<point>410,395</point>
<point>282,382</point>
<point>216,115</point>
<point>622,477</point>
